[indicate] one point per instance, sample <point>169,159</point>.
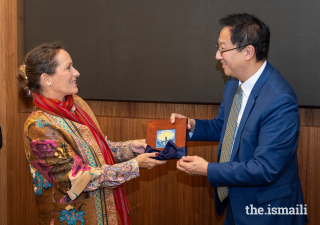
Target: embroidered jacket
<point>72,183</point>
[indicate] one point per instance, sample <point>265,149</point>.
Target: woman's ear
<point>45,80</point>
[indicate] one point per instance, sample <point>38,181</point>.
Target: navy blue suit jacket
<point>263,168</point>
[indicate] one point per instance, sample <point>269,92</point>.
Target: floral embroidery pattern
<point>39,182</point>
<point>44,151</point>
<point>65,199</point>
<point>43,148</point>
<point>120,150</point>
<point>71,216</point>
<point>52,134</point>
<point>113,176</point>
<point>79,166</point>
<point>44,169</point>
<point>41,122</point>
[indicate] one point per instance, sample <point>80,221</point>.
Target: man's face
<point>232,61</point>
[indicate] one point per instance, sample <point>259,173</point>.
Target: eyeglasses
<point>220,50</point>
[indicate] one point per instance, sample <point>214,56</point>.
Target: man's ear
<point>250,52</point>
<point>45,79</point>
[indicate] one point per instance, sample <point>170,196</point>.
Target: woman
<point>77,172</point>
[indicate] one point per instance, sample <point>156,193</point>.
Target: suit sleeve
<point>210,130</point>
<point>278,135</point>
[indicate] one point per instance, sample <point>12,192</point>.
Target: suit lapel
<point>234,87</point>
<point>250,103</point>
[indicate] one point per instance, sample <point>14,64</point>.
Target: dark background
<point>164,51</point>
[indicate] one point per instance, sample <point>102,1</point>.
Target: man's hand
<point>138,146</point>
<point>191,122</point>
<point>193,165</point>
<point>145,161</point>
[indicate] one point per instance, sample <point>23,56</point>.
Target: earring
<point>50,84</point>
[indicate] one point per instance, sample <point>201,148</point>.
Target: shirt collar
<point>248,84</point>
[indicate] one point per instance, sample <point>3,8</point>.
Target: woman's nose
<point>76,73</point>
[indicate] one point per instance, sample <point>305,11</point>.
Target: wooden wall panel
<point>3,116</point>
<point>11,110</point>
<point>16,189</point>
<point>310,117</point>
<point>165,195</point>
<point>309,168</point>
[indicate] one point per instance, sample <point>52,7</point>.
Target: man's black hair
<point>248,30</point>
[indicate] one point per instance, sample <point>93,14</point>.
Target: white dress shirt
<point>247,87</point>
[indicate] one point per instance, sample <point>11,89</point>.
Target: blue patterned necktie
<point>229,136</point>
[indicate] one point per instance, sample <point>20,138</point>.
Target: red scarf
<point>62,109</point>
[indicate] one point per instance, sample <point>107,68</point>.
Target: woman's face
<point>64,80</point>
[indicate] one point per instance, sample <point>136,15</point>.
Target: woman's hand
<point>145,161</point>
<point>138,146</point>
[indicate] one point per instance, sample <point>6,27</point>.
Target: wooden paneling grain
<point>17,200</point>
<point>3,115</point>
<point>303,158</point>
<point>11,110</point>
<point>150,110</point>
<point>310,117</point>
<point>26,105</point>
<point>22,102</point>
<point>309,169</point>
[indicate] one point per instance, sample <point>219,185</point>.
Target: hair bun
<point>23,68</point>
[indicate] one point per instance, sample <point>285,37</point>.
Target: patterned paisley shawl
<point>62,109</point>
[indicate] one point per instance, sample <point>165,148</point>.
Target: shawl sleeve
<point>112,176</point>
<point>121,150</point>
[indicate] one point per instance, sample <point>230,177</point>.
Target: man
<point>256,176</point>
